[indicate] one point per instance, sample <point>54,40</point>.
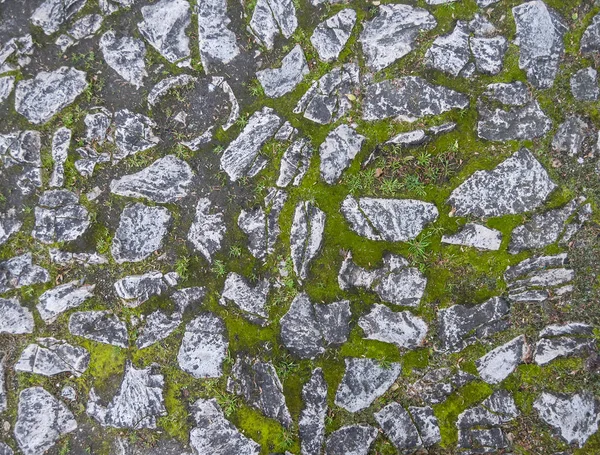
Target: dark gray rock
<point>570,136</point>
<point>100,326</point>
<point>204,347</point>
<point>21,150</point>
<point>96,126</point>
<point>136,289</point>
<point>272,17</point>
<point>400,328</point>
<point>207,230</point>
<point>476,236</point>
<point>60,148</point>
<point>20,271</point>
<point>300,332</point>
<point>125,55</point>
<point>306,236</point>
<point>9,225</point>
<point>337,152</point>
<point>185,297</point>
<point>331,35</point>
<point>311,424</point>
<point>499,363</point>
<point>351,440</point>
<point>64,297</point>
<point>590,40</point>
<point>89,158</point>
<point>217,43</point>
<point>333,320</point>
<point>450,53</point>
<point>533,265</point>
<point>437,385</point>
<point>518,123</point>
<point>549,349</point>
<point>252,300</point>
<point>277,82</point>
<point>59,217</point>
<point>51,14</point>
<point>410,138</point>
<point>481,27</point>
<point>295,162</point>
<point>5,449</point>
<point>584,85</point>
<point>159,325</point>
<point>514,94</point>
<point>398,427</point>
<point>49,357</point>
<point>133,133</point>
<point>16,319</point>
<point>427,425</point>
<point>489,53</point>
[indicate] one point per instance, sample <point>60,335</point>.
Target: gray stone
<point>22,149</point>
<point>9,225</point>
<point>533,265</point>
<point>572,328</point>
<point>476,236</point>
<point>540,32</point>
<point>16,319</point>
<point>185,297</point>
<point>252,300</point>
<point>133,134</point>
<point>590,40</point>
<point>20,271</point>
<point>136,289</point>
<point>88,160</point>
<point>112,6</point>
<point>549,349</point>
<point>410,138</point>
<point>544,278</point>
<point>86,26</point>
<point>204,347</point>
<point>461,325</point>
<point>100,326</point>
<point>141,232</point>
<point>398,427</point>
<point>450,53</point>
<point>570,136</point>
<point>67,258</point>
<point>437,385</point>
<point>337,152</point>
<point>481,27</point>
<point>575,418</point>
<point>216,42</point>
<point>7,84</point>
<point>518,123</point>
<point>68,393</point>
<point>300,332</point>
<point>272,17</point>
<point>331,35</point>
<point>489,53</point>
<point>64,297</point>
<point>584,85</point>
<point>306,236</point>
<point>517,185</point>
<point>5,449</point>
<point>311,424</point>
<point>427,425</point>
<point>96,126</point>
<point>392,220</point>
<point>294,163</point>
<point>59,218</point>
<point>44,96</point>
<point>41,421</point>
<point>333,320</point>
<point>159,325</point>
<point>409,98</point>
<point>351,440</point>
<point>400,328</point>
<point>136,405</point>
<point>60,149</point>
<point>277,82</point>
<point>51,14</point>
<point>125,55</point>
<point>49,357</point>
<point>364,381</point>
<point>513,94</point>
<point>207,230</point>
<point>3,392</point>
<point>258,384</point>
<point>392,33</point>
<point>167,84</point>
<point>495,366</point>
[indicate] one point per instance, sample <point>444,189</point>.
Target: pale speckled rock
<point>5,449</point>
<point>204,347</point>
<point>7,84</point>
<point>331,35</point>
<point>9,225</point>
<point>481,27</point>
<point>61,257</point>
<point>41,421</point>
<point>216,41</point>
<point>277,82</point>
<point>272,17</point>
<point>410,138</point>
<point>570,136</point>
<point>409,98</point>
<point>351,440</point>
<point>252,300</point>
<point>450,53</point>
<point>295,162</point>
<point>392,220</point>
<point>540,32</point>
<point>575,418</point>
<point>334,321</point>
<point>514,93</point>
<point>51,14</point>
<point>59,217</point>
<point>207,230</point>
<point>89,158</point>
<point>100,326</point>
<point>86,26</point>
<point>136,289</point>
<point>392,33</point>
<point>476,236</point>
<point>495,366</point>
<point>400,328</point>
<point>306,236</point>
<point>517,185</point>
<point>136,405</point>
<point>489,53</point>
<point>44,96</point>
<point>49,357</point>
<point>16,319</point>
<point>185,297</point>
<point>60,149</point>
<point>549,349</point>
<point>461,325</point>
<point>364,381</point>
<point>22,149</point>
<point>133,134</point>
<point>398,426</point>
<point>427,425</point>
<point>125,55</point>
<point>590,40</point>
<point>68,393</point>
<point>96,126</point>
<point>437,385</point>
<point>311,424</point>
<point>258,384</point>
<point>337,152</point>
<point>534,264</point>
<point>584,85</point>
<point>159,325</point>
<point>517,123</point>
<point>164,86</point>
<point>62,298</point>
<point>20,271</point>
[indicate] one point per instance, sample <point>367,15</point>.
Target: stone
<point>16,319</point>
<point>575,418</point>
<point>409,98</point>
<point>96,126</point>
<point>272,17</point>
<point>294,163</point>
<point>5,449</point>
<point>258,384</point>
<point>252,300</point>
<point>41,421</point>
<point>437,385</point>
<point>101,326</point>
<point>392,220</point>
<point>333,320</point>
<point>540,33</point>
<point>351,440</point>
<point>22,149</point>
<point>306,236</point>
<point>136,289</point>
<point>481,27</point>
<point>489,53</point>
<point>204,347</point>
<point>495,366</point>
<point>214,434</point>
<point>9,225</point>
<point>67,258</point>
<point>89,158</point>
<point>518,185</point>
<point>518,123</point>
<point>331,35</point>
<point>240,155</point>
<point>533,265</point>
<point>164,27</point>
<point>311,424</point>
<point>166,180</point>
<point>159,325</point>
<point>167,84</point>
<point>398,427</point>
<point>570,136</point>
<point>363,382</point>
<point>476,236</point>
<point>20,271</point>
<point>141,232</point>
<point>427,425</point>
<point>300,332</point>
<point>549,349</point>
<point>133,134</point>
<point>410,138</point>
<point>584,85</point>
<point>86,26</point>
<point>185,297</point>
<point>277,82</point>
<point>59,217</point>
<point>450,53</point>
<point>60,149</point>
<point>51,14</point>
<point>7,84</point>
<point>68,393</point>
<point>216,42</point>
<point>400,328</point>
<point>125,55</point>
<point>392,33</point>
<point>337,152</point>
<point>49,357</point>
<point>207,230</point>
<point>41,98</point>
<point>234,113</point>
<point>136,405</point>
<point>590,40</point>
<point>461,325</point>
<point>513,94</point>
<point>64,297</point>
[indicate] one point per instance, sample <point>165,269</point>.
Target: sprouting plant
<point>417,248</point>
<point>218,149</point>
<point>182,267</point>
<point>424,159</point>
<point>242,121</point>
<point>256,89</point>
<point>390,186</point>
<point>385,364</point>
<point>219,268</point>
<point>235,251</point>
<point>285,367</point>
<point>413,184</point>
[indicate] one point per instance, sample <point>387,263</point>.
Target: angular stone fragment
<point>125,55</point>
<point>67,258</point>
<point>450,53</point>
<point>166,180</point>
<point>584,85</point>
<point>86,26</point>
<point>41,421</point>
<point>141,232</point>
<point>460,325</point>
<point>548,349</point>
<point>331,35</point>
<point>398,427</point>
<point>185,297</point>
<point>306,236</point>
<point>62,298</point>
<point>44,96</point>
<point>50,357</point>
<point>100,326</point>
<point>337,152</point>
<point>476,236</point>
<point>9,225</point>
<point>216,42</point>
<point>276,82</point>
<point>311,425</point>
<point>364,381</point>
<point>136,405</point>
<point>252,300</point>
<point>7,84</point>
<point>204,347</point>
<point>89,158</point>
<point>60,148</point>
<point>16,319</point>
<point>96,126</point>
<point>437,385</point>
<point>400,328</point>
<point>20,271</point>
<point>489,53</point>
<point>590,40</point>
<point>518,123</point>
<point>258,384</point>
<point>410,138</point>
<point>575,418</point>
<point>59,218</point>
<point>480,26</point>
<point>136,289</point>
<point>427,425</point>
<point>392,33</point>
<point>294,163</point>
<point>533,265</point>
<point>409,98</point>
<point>159,325</point>
<point>133,134</point>
<point>5,449</point>
<point>499,363</point>
<point>513,94</point>
<point>351,440</point>
<point>22,149</point>
<point>51,14</point>
<point>540,32</point>
<point>333,320</point>
<point>207,230</point>
<point>517,185</point>
<point>570,136</point>
<point>272,17</point>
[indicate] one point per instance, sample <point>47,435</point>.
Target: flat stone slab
<point>49,357</point>
<point>337,152</point>
<point>60,148</point>
<point>351,440</point>
<point>516,123</point>
<point>277,82</point>
<point>51,14</point>
<point>306,236</point>
<point>271,18</point>
<point>159,325</point>
<point>64,297</point>
<point>294,163</point>
<point>207,230</point>
<point>251,299</point>
<point>59,217</point>
<point>331,35</point>
<point>489,53</point>
<point>437,385</point>
<point>62,257</point>
<point>311,424</point>
<point>409,431</point>
<point>512,94</point>
<point>563,341</point>
<point>9,225</point>
<point>570,136</point>
<point>136,289</point>
<point>21,149</point>
<point>476,236</point>
<point>450,53</point>
<point>400,328</point>
<point>217,43</point>
<point>100,326</point>
<point>590,40</point>
<point>20,271</point>
<point>204,347</point>
<point>16,319</point>
<point>584,85</point>
<point>132,134</point>
<point>125,55</point>
<point>185,297</point>
<point>499,363</point>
